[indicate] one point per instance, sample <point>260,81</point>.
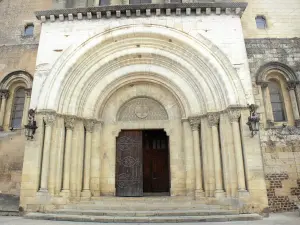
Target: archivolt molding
<point>284,70</point>
<point>15,77</point>
<point>200,64</point>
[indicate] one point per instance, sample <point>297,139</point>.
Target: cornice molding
<point>118,11</point>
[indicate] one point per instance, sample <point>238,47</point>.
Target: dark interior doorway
<point>142,166</point>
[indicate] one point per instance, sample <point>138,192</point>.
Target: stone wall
<point>281,145</point>
<point>11,162</point>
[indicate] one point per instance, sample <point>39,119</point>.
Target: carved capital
<point>195,122</point>
<point>89,125</point>
<point>234,115</point>
<point>69,122</point>
<point>49,118</point>
<point>263,84</point>
<point>28,92</point>
<point>291,86</point>
<point>4,94</point>
<point>213,119</point>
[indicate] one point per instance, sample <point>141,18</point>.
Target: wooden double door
<point>142,162</point>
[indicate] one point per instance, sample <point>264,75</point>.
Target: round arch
<point>18,76</point>
<point>195,70</point>
<point>286,72</point>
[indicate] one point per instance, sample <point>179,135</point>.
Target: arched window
<point>29,30</point>
<point>18,107</point>
<point>276,101</point>
<point>261,22</point>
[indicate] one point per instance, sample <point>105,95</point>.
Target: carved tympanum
<point>142,109</point>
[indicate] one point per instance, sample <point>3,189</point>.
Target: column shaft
<point>89,126</point>
<point>238,156</point>
<point>217,162</point>
<point>67,160</point>
<point>189,159</point>
<point>214,120</point>
<point>2,111</point>
<point>87,163</point>
<point>197,157</point>
<point>49,119</point>
<point>95,160</point>
<point>291,88</point>
<point>266,98</point>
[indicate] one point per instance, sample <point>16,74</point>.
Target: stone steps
<point>142,219</point>
<point>146,213</point>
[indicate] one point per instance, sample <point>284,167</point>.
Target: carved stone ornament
<point>70,122</point>
<point>28,92</point>
<point>263,84</point>
<point>213,119</point>
<point>4,94</point>
<point>49,118</point>
<point>195,122</point>
<point>142,109</point>
<point>291,86</point>
<point>89,125</point>
<point>234,115</point>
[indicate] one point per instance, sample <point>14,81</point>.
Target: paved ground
<point>290,218</point>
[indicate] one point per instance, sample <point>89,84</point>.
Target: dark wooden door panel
<point>129,166</point>
<point>156,161</point>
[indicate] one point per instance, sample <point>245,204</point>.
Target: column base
<point>219,194</point>
<point>65,193</point>
<point>297,123</point>
<point>43,191</point>
<point>243,193</point>
<point>86,194</point>
<point>199,194</point>
<point>96,193</point>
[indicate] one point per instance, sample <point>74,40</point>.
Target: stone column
<point>267,103</point>
<point>4,96</point>
<point>298,95</point>
<point>69,123</point>
<point>26,106</point>
<point>189,159</point>
<point>96,2</point>
<point>49,119</point>
<point>234,115</point>
<point>291,89</point>
<point>195,122</point>
<point>213,120</point>
<point>95,160</point>
<point>89,127</point>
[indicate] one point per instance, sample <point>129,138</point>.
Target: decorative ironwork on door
<point>129,167</point>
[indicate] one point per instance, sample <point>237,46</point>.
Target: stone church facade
<point>135,100</point>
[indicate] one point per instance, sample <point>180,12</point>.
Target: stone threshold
<point>119,11</point>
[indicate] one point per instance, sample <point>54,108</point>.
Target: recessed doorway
<point>142,166</point>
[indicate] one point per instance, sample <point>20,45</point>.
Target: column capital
<point>4,94</point>
<point>28,92</point>
<point>69,122</point>
<point>49,118</point>
<point>89,125</point>
<point>291,85</point>
<point>263,84</point>
<point>234,115</point>
<point>213,119</point>
<point>195,122</point>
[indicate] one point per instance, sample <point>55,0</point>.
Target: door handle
<point>154,176</point>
